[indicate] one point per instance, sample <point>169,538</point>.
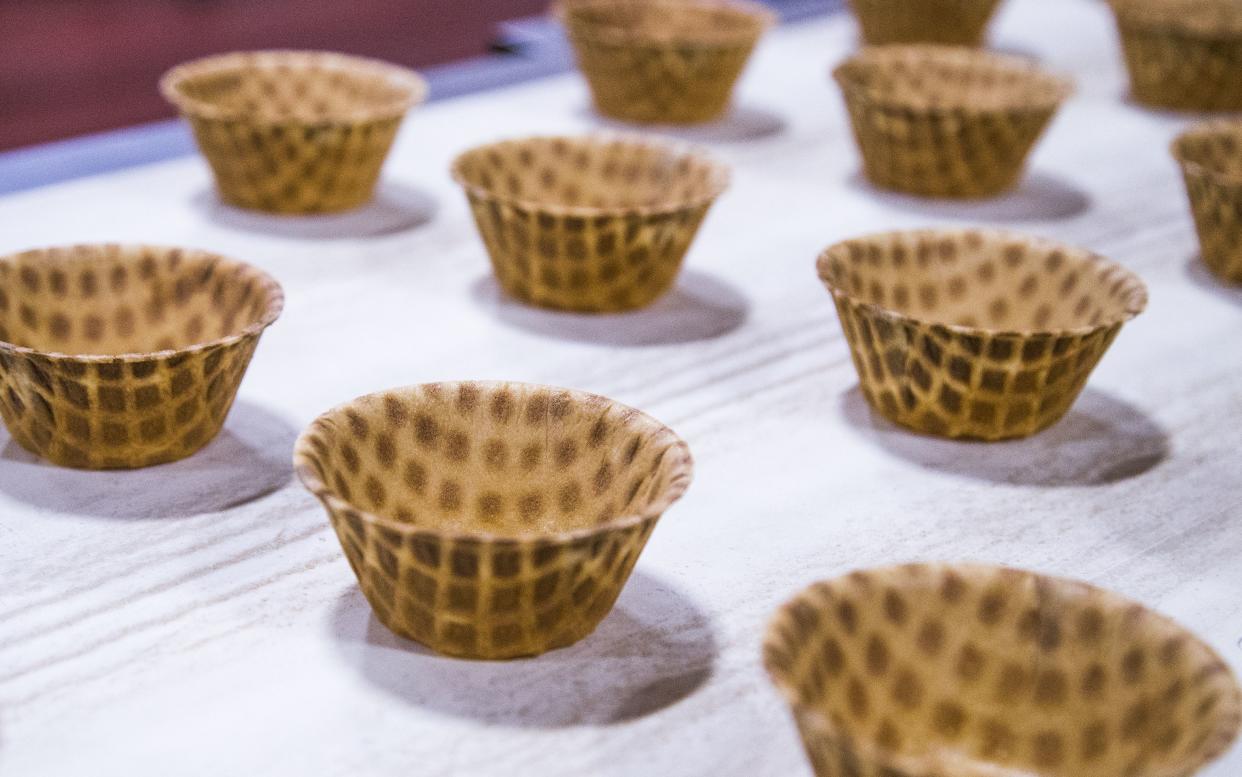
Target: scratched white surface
<point>199,618</point>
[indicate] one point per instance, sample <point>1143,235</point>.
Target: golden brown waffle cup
<point>1211,158</point>
<point>942,121</point>
<point>121,356</point>
<point>949,22</point>
<point>594,223</point>
<point>293,131</point>
<point>1183,55</point>
<point>663,61</point>
<point>974,670</point>
<point>979,334</point>
<point>491,520</point>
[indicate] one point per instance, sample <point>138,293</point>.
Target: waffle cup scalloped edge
<point>956,22</point>
<point>1182,56</point>
<point>125,410</point>
<point>290,163</point>
<point>808,644</point>
<point>481,594</point>
<point>1215,198</point>
<point>956,150</point>
<point>656,77</point>
<point>582,258</point>
<point>971,380</point>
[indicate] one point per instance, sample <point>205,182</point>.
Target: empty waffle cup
<point>120,356</point>
<point>491,520</point>
<point>950,22</point>
<point>942,121</point>
<point>983,671</point>
<point>663,61</point>
<point>980,334</point>
<point>1211,158</point>
<point>593,224</point>
<point>1183,54</point>
<point>293,131</point>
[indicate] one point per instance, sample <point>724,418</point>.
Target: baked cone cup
<point>1211,158</point>
<point>1183,55</point>
<point>940,121</point>
<point>982,671</point>
<point>491,520</point>
<point>121,356</point>
<point>592,224</point>
<point>979,334</point>
<point>293,132</point>
<point>949,22</point>
<point>663,61</point>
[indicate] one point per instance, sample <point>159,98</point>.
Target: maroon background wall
<point>69,67</point>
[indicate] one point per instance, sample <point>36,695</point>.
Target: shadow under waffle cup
<point>965,669</point>
<point>942,121</point>
<point>951,22</point>
<point>663,61</point>
<point>293,131</point>
<point>491,520</point>
<point>125,356</point>
<point>589,224</point>
<point>979,334</point>
<point>1211,159</point>
<point>1183,54</point>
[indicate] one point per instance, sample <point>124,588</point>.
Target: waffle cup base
<point>133,409</point>
<point>293,132</point>
<point>948,22</point>
<point>922,131</point>
<point>1180,56</point>
<point>663,61</point>
<point>1212,171</point>
<point>974,334</point>
<point>491,520</point>
<point>589,224</point>
<point>964,669</point>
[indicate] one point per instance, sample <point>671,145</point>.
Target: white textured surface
<point>199,618</point>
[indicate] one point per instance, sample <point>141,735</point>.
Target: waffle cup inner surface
<point>985,671</point>
<point>110,300</point>
<point>994,281</point>
<point>292,86</point>
<point>602,173</point>
<point>494,459</point>
<point>933,78</point>
<point>1213,149</point>
<point>667,22</point>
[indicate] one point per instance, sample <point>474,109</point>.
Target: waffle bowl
<point>940,121</point>
<point>123,356</point>
<point>1211,158</point>
<point>982,671</point>
<point>293,131</point>
<point>979,334</point>
<point>1183,55</point>
<point>663,61</point>
<point>591,224</point>
<point>491,520</point>
<point>948,22</point>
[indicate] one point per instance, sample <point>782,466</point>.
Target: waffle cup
<point>592,224</point>
<point>983,671</point>
<point>293,131</point>
<point>663,61</point>
<point>949,22</point>
<point>491,520</point>
<point>981,334</point>
<point>1183,54</point>
<point>1211,158</point>
<point>941,121</point>
<point>118,356</point>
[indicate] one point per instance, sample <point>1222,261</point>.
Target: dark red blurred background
<point>69,67</point>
